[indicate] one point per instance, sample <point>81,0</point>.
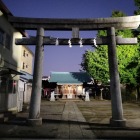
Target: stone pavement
<point>64,120</point>
<point>61,120</point>
<point>98,113</point>
<point>76,127</point>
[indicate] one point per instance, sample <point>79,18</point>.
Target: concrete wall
<point>10,57</point>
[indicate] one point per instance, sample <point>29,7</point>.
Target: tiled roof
<point>69,77</point>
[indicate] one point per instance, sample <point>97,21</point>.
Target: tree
<point>96,63</point>
<point>118,14</point>
<point>137,12</point>
<point>137,34</point>
<point>127,60</point>
<point>137,4</point>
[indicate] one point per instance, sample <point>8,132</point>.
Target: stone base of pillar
<point>73,96</point>
<point>76,96</point>
<point>52,98</point>
<point>64,96</point>
<point>34,122</point>
<point>118,123</point>
<point>87,96</point>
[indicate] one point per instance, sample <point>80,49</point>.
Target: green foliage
<point>127,59</point>
<point>117,14</point>
<point>96,65</point>
<point>96,62</point>
<point>137,4</point>
<point>137,34</point>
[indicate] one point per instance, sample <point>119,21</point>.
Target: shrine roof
<point>69,77</point>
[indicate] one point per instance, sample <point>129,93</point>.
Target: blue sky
<point>63,58</point>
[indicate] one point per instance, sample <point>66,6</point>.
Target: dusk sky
<point>63,58</point>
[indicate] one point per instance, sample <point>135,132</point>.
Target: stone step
<point>6,116</point>
<point>3,118</point>
<point>79,100</point>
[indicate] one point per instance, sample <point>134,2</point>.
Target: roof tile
<point>69,77</point>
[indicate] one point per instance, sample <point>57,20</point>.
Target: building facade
<point>11,64</point>
<point>26,60</point>
<point>26,67</point>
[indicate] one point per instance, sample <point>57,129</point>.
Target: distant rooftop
<point>45,77</point>
<point>69,77</point>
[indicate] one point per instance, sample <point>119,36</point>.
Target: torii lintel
<point>129,22</point>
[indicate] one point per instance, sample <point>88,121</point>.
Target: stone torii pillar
<point>34,112</point>
<point>116,101</point>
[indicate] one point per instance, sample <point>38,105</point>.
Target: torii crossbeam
<point>75,41</point>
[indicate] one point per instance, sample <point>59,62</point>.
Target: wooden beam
<point>130,22</point>
<point>75,41</point>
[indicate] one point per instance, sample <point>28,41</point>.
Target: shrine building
<point>69,84</point>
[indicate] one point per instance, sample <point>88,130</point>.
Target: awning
<point>7,71</point>
<point>26,76</point>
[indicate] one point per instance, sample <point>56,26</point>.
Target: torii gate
<point>109,24</point>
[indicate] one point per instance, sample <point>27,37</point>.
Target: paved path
<point>62,120</point>
<point>76,128</point>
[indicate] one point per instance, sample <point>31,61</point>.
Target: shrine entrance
<point>76,25</point>
<point>69,91</point>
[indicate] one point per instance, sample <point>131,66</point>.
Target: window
<point>3,85</point>
<point>7,41</point>
<point>24,53</point>
<point>23,66</point>
<point>26,66</point>
<point>1,37</point>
